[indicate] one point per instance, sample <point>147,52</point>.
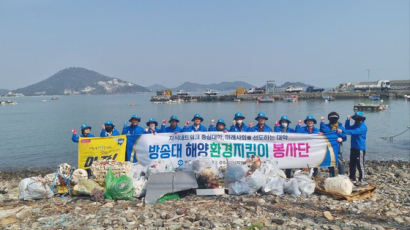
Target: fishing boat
<point>370,107</point>
<point>182,93</point>
<point>328,98</point>
<point>265,99</point>
<point>237,100</point>
<point>8,102</point>
<point>292,89</point>
<point>54,98</point>
<point>374,98</point>
<point>291,99</point>
<point>211,92</point>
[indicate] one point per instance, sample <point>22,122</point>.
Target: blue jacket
<point>358,132</point>
<point>191,128</point>
<point>304,129</point>
<point>212,128</point>
<point>235,128</point>
<point>105,134</point>
<point>326,128</point>
<point>256,129</point>
<point>133,133</point>
<point>170,130</point>
<point>75,137</point>
<point>278,129</point>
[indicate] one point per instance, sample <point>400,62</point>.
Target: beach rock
<point>328,215</point>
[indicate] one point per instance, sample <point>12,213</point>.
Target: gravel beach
<point>388,208</point>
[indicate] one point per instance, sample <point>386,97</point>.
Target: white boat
<point>407,96</point>
<point>211,92</point>
<point>182,93</point>
<point>292,89</point>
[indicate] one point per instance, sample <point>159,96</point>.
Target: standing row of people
<point>358,132</point>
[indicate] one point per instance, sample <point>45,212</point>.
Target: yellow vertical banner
<point>91,149</point>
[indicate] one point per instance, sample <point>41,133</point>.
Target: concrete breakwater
<point>280,96</point>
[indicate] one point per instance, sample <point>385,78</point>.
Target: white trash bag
<point>274,186</point>
<point>255,181</point>
<point>34,188</point>
<point>291,187</point>
<point>305,182</point>
<point>340,184</point>
<point>235,173</point>
<point>239,188</point>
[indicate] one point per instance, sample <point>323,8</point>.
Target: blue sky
<point>170,42</point>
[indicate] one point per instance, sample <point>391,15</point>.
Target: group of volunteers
<point>357,131</point>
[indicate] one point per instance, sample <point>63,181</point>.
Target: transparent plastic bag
<point>274,186</point>
<point>255,181</point>
<point>291,187</point>
<point>34,188</point>
<point>305,182</point>
<point>120,188</point>
<point>235,173</point>
<point>239,188</point>
<point>160,166</point>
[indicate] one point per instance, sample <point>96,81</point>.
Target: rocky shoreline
<point>389,208</point>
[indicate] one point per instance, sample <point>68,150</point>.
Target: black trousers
<point>357,162</point>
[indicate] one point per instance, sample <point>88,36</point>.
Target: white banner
<point>289,150</point>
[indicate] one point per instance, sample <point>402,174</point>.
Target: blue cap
<point>85,126</point>
<point>310,117</point>
<point>173,118</point>
<point>221,121</point>
<point>359,114</point>
<point>239,115</point>
<point>284,118</point>
<point>152,120</point>
<point>136,117</point>
<point>197,115</point>
<point>261,115</point>
<point>109,123</point>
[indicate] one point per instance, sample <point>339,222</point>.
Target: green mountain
<point>75,80</point>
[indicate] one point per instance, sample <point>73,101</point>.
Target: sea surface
<point>37,134</point>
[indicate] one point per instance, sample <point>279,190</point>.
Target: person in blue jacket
<point>152,126</point>
<point>261,126</point>
<point>282,126</point>
<point>133,132</point>
<point>310,128</point>
<point>196,126</point>
<point>358,133</point>
<point>237,123</point>
<point>85,132</point>
<point>173,125</point>
<point>220,126</point>
<point>109,130</point>
<point>336,127</point>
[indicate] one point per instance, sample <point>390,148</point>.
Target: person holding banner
<point>237,123</point>
<point>310,128</point>
<point>108,130</point>
<point>85,132</point>
<point>261,126</point>
<point>173,125</point>
<point>358,132</point>
<point>197,126</point>
<point>152,126</point>
<point>336,127</point>
<point>220,126</point>
<point>133,132</point>
<point>282,126</point>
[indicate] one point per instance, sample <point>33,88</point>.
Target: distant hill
<point>156,87</point>
<point>4,91</point>
<point>75,80</point>
<point>223,86</point>
<point>294,84</point>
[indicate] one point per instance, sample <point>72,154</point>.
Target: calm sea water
<point>38,134</point>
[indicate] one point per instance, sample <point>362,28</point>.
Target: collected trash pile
<point>113,180</point>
